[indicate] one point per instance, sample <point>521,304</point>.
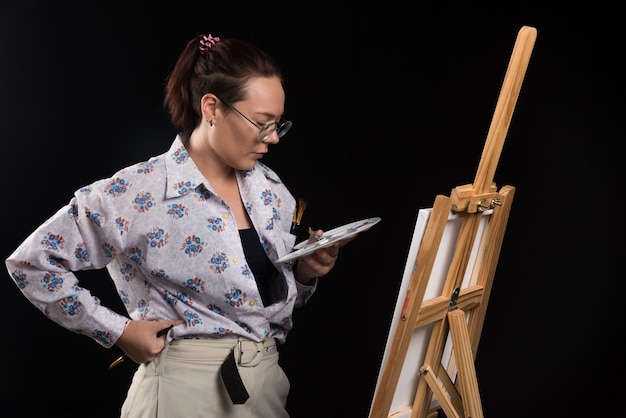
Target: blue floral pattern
<point>171,248</point>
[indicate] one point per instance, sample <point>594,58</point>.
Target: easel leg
<point>467,381</point>
<point>438,392</point>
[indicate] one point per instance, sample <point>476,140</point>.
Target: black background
<point>391,105</point>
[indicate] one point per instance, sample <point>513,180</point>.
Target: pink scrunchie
<point>207,43</point>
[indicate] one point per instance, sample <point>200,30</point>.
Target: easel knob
<point>464,199</point>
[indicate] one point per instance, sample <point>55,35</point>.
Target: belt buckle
<point>248,353</point>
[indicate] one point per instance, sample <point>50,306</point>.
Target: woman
<point>191,239</point>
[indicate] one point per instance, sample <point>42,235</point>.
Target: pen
<point>121,358</point>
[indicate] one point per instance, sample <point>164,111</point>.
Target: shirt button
<point>252,303</point>
<point>235,260</point>
<point>225,215</point>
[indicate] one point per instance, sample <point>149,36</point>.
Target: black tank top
<point>267,277</point>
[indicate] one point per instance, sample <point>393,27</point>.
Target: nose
<point>273,138</point>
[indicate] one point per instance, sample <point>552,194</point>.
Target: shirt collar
<point>182,174</point>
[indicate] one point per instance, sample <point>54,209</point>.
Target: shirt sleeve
<point>43,268</point>
<point>305,292</point>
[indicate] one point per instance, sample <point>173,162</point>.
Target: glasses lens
<point>283,127</point>
<point>266,131</point>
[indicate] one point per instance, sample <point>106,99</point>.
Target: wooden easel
<point>459,312</point>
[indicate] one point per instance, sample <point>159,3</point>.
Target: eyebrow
<point>270,116</point>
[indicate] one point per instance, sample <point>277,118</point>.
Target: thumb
<point>316,235</point>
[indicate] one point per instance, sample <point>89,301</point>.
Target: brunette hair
<point>222,67</point>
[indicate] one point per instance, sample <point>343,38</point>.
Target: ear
<point>208,105</point>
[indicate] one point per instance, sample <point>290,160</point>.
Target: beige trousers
<point>184,381</point>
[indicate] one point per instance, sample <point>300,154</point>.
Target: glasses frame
<point>281,127</point>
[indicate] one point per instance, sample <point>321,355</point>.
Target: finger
<point>165,326</point>
<point>163,332</point>
<point>325,257</point>
<point>172,322</point>
<point>316,235</point>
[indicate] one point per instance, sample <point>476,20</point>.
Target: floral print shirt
<point>172,249</point>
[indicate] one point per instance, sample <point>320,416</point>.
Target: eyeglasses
<point>281,127</point>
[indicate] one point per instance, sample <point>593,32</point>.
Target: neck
<point>212,168</point>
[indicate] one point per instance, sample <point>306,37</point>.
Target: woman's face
<point>237,142</point>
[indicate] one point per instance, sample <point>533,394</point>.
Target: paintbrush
<point>297,215</point>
